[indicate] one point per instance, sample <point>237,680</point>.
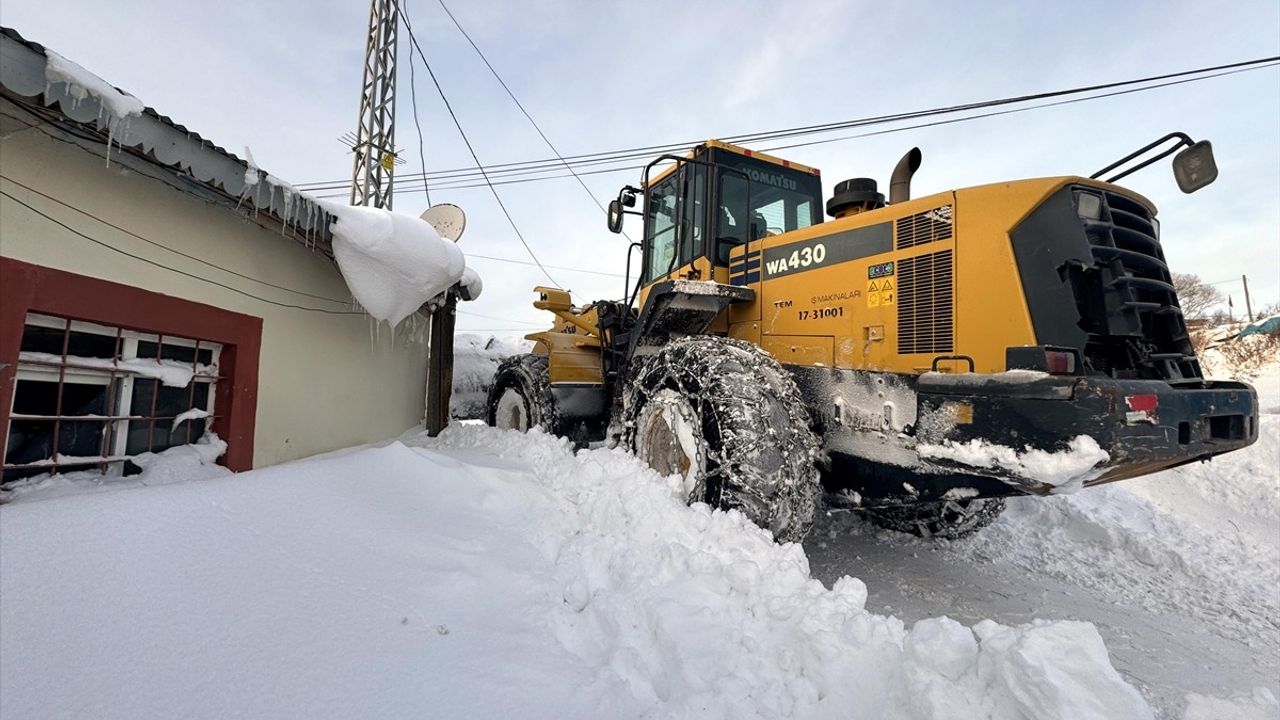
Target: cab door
<point>675,226</point>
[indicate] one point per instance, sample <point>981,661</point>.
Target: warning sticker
<point>881,292</point>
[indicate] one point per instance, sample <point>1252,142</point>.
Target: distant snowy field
<point>488,574</point>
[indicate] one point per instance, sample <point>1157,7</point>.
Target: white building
<point>167,289</point>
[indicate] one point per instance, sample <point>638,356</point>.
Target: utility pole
<point>375,149</point>
<point>372,178</point>
<point>1248,306</point>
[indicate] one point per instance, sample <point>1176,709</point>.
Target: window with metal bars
<point>89,396</point>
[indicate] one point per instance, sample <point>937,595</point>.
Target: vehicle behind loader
<point>916,359</point>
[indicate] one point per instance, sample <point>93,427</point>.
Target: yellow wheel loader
<point>915,359</point>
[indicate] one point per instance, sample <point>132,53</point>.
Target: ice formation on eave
<point>251,170</point>
<point>393,263</point>
<point>116,107</point>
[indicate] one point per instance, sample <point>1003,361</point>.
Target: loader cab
<point>697,208</point>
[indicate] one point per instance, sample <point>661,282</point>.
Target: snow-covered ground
<point>490,574</point>
<point>1179,571</point>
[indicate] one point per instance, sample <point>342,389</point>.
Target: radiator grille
<point>925,227</point>
<point>1126,299</point>
<point>926,304</point>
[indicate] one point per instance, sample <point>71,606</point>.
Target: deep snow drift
<point>486,575</point>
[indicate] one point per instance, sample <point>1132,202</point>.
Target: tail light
<point>1058,362</point>
<point>1044,358</point>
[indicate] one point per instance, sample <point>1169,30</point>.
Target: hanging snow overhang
<point>148,135</point>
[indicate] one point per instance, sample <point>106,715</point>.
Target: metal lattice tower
<point>372,170</point>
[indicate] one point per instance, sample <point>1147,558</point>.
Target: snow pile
<point>1203,538</point>
<point>172,373</point>
<point>1065,470</point>
<point>1262,705</point>
<point>197,461</point>
<point>475,361</point>
<point>393,263</point>
<point>484,574</point>
<point>82,84</point>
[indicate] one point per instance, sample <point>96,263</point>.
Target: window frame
<point>119,416</point>
<point>27,288</point>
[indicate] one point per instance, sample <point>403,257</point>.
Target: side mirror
<point>615,216</point>
<point>1195,167</point>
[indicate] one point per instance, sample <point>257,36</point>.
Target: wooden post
<point>1248,306</point>
<point>440,365</point>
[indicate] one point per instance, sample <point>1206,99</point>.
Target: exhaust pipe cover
<point>900,181</point>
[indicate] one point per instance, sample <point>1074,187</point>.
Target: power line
<point>166,247</point>
<point>1017,110</point>
<point>500,319</point>
<point>184,273</point>
<point>647,151</point>
<point>422,156</point>
<point>467,142</point>
<point>465,185</point>
<point>553,267</point>
<point>526,114</point>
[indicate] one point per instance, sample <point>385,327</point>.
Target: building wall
<point>325,381</point>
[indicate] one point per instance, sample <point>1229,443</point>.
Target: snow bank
<point>475,361</point>
<point>82,84</point>
<point>172,373</point>
<point>1065,470</point>
<point>1201,539</point>
<point>1262,705</point>
<point>481,574</point>
<point>197,461</point>
<point>393,263</point>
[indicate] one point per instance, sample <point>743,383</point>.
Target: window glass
<point>76,412</point>
<point>781,200</point>
<point>662,224</point>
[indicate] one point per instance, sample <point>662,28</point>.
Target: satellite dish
<point>448,220</point>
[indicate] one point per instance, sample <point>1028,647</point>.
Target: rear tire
<point>520,398</point>
<point>724,416</point>
<point>949,519</point>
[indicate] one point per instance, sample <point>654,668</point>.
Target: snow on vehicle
<point>916,359</point>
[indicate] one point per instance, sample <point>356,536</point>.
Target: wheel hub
<point>668,440</point>
<point>512,413</point>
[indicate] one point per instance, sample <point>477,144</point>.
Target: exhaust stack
<point>900,181</point>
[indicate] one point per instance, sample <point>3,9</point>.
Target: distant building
<point>154,286</point>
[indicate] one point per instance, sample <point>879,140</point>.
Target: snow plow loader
<point>915,359</point>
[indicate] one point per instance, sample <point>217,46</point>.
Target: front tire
<point>520,398</point>
<point>725,417</point>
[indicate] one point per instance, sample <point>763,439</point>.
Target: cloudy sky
<point>283,78</point>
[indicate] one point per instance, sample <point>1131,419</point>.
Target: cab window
<point>756,200</point>
<point>673,244</point>
<point>660,224</point>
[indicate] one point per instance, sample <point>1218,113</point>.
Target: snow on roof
<point>393,263</point>
<point>29,70</point>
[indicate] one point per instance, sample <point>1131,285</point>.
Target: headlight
<point>1089,206</point>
